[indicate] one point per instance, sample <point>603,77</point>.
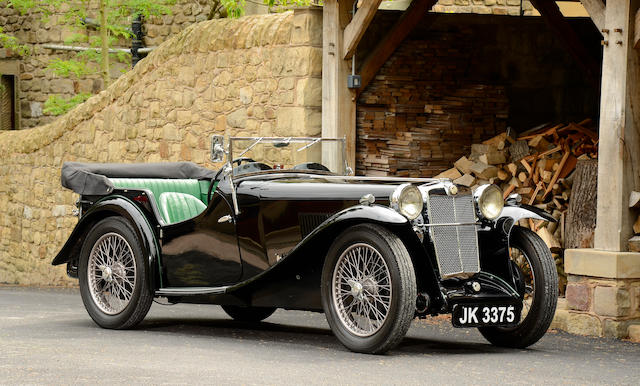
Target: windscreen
<point>254,155</point>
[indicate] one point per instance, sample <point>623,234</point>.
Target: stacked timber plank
<point>540,165</point>
<point>403,133</point>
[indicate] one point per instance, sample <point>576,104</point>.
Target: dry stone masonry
<point>36,83</point>
<point>258,75</point>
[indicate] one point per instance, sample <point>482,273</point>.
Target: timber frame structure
<point>608,266</point>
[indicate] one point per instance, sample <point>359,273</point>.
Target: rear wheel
<point>113,278</point>
<point>538,283</point>
<point>368,289</point>
<point>249,314</point>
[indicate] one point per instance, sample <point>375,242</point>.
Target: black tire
<point>545,294</point>
<point>402,281</point>
<point>249,314</point>
<point>141,296</point>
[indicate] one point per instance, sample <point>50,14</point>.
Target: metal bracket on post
<point>136,41</point>
<point>354,81</point>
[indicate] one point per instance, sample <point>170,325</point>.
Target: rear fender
<point>115,206</point>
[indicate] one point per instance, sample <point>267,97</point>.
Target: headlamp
<point>407,199</point>
<point>489,200</point>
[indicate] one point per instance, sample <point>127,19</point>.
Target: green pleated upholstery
<point>196,190</point>
<point>176,207</point>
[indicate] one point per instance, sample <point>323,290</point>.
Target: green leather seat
<point>176,207</point>
<point>183,198</point>
<point>157,186</point>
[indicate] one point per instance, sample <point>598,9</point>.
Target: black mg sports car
<point>277,228</point>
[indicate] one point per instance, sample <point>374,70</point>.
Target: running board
<point>190,291</point>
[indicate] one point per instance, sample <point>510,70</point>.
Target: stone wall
<point>602,295</point>
<point>600,306</point>
<point>36,83</point>
<point>254,75</point>
<point>485,7</point>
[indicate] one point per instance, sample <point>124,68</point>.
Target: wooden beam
<point>563,30</point>
<point>595,9</point>
<point>354,32</point>
<point>636,43</point>
<point>619,144</point>
<point>338,101</point>
<point>407,22</point>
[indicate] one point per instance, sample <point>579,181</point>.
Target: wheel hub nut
<point>107,273</point>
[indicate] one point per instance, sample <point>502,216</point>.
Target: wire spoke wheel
<point>361,289</point>
<point>523,262</point>
<point>111,271</point>
<point>536,280</point>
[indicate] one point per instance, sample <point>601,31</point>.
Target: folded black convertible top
<point>93,178</point>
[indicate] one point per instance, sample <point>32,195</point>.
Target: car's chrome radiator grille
<point>456,246</point>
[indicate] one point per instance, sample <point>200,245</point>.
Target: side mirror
<point>217,148</point>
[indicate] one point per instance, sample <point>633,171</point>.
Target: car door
<point>203,251</point>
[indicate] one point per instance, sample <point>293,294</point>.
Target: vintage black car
<point>279,230</point>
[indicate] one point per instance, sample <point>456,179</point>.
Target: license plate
<point>475,315</point>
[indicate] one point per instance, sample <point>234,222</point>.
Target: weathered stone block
<point>238,118</point>
<point>560,320</point>
<point>597,263</point>
<point>616,328</point>
<point>170,132</point>
<point>245,95</point>
<point>583,324</point>
<point>297,121</point>
<point>611,301</point>
<point>306,25</point>
<point>309,92</point>
<point>578,296</point>
<point>634,333</point>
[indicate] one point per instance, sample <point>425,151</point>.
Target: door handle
<point>226,218</point>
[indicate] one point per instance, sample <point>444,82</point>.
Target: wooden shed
<point>602,79</point>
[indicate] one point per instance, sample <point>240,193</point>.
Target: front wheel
<point>112,272</point>
<point>368,289</point>
<point>535,269</point>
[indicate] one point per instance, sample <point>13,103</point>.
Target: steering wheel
<point>240,160</point>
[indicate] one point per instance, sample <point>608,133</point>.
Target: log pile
<point>634,203</point>
<point>540,165</point>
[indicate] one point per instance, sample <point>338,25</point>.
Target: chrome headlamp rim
<point>482,196</point>
<point>398,201</point>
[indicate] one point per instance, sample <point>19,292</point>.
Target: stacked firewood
<point>634,203</point>
<point>540,166</point>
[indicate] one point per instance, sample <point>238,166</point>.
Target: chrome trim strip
<point>385,179</point>
<point>186,291</point>
<point>449,224</point>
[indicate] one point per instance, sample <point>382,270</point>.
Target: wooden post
<point>619,146</point>
<point>636,44</point>
<point>338,101</point>
<point>354,32</point>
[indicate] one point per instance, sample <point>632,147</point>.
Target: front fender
<point>511,214</point>
<point>114,206</point>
